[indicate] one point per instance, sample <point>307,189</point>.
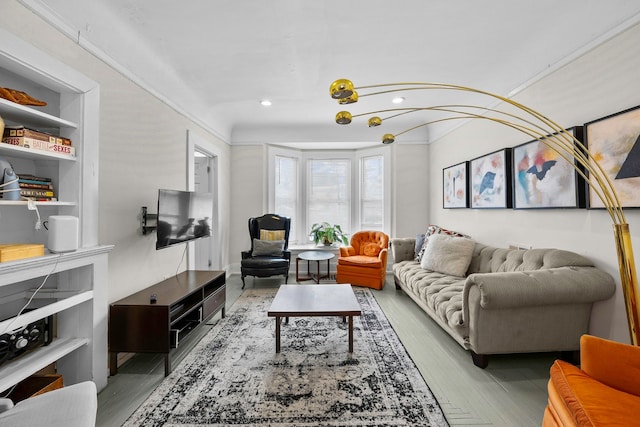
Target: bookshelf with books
<point>75,290</point>
<point>26,159</point>
<point>38,188</point>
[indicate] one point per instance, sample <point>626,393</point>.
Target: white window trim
<point>356,156</point>
<point>272,153</point>
<point>385,152</point>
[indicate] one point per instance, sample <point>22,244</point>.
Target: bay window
<point>346,187</point>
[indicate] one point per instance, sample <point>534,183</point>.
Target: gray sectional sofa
<point>509,301</point>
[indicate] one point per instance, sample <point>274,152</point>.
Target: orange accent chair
<point>604,391</point>
<point>364,261</point>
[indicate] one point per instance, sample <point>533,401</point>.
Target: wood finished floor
<point>511,391</point>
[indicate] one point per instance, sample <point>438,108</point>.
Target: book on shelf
<point>33,192</point>
<point>35,184</point>
<point>35,140</point>
<point>26,176</point>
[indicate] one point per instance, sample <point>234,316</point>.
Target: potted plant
<point>327,234</point>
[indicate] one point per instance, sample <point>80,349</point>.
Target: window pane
<point>328,194</point>
<point>286,190</point>
<point>372,193</point>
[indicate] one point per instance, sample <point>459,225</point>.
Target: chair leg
<point>243,282</point>
<point>286,278</point>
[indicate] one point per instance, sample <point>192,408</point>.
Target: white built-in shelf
<point>25,203</point>
<point>67,299</point>
<point>76,287</point>
<point>30,153</point>
<point>30,116</point>
<point>29,268</point>
<point>16,370</point>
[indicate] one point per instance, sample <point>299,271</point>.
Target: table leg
<point>167,365</point>
<point>297,269</point>
<point>318,276</point>
<point>350,334</point>
<point>277,334</point>
<point>113,363</point>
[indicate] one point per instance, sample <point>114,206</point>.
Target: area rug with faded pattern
<point>233,377</point>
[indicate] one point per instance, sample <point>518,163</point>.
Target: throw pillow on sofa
<point>449,255</point>
<point>418,247</point>
<point>432,230</point>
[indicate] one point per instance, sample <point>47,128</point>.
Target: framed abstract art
<point>490,177</point>
<point>543,179</point>
<point>614,141</point>
<point>454,186</point>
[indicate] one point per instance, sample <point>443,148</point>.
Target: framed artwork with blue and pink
<point>454,186</point>
<point>490,177</point>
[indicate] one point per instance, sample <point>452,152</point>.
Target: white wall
<point>249,196</point>
<point>601,82</point>
<point>410,189</point>
<point>143,147</point>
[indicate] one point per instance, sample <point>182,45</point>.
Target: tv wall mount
<point>148,221</point>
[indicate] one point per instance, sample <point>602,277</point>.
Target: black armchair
<point>269,254</point>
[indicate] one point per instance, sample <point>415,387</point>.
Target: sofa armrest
<point>614,364</point>
<point>5,404</point>
<point>563,285</point>
<point>403,249</point>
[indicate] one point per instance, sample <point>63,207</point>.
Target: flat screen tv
<point>183,216</point>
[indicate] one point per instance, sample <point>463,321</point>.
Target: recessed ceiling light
<point>398,100</point>
<point>265,103</point>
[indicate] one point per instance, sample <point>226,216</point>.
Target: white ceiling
<point>216,59</point>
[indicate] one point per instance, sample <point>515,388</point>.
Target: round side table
<point>316,256</point>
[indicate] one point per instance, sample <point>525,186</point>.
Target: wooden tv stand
<point>137,324</point>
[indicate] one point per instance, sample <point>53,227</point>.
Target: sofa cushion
<point>448,254</point>
<point>432,230</point>
<point>441,293</point>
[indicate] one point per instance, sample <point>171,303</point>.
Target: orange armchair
<point>605,390</point>
<point>364,261</point>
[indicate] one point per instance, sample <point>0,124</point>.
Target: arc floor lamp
<point>531,123</point>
